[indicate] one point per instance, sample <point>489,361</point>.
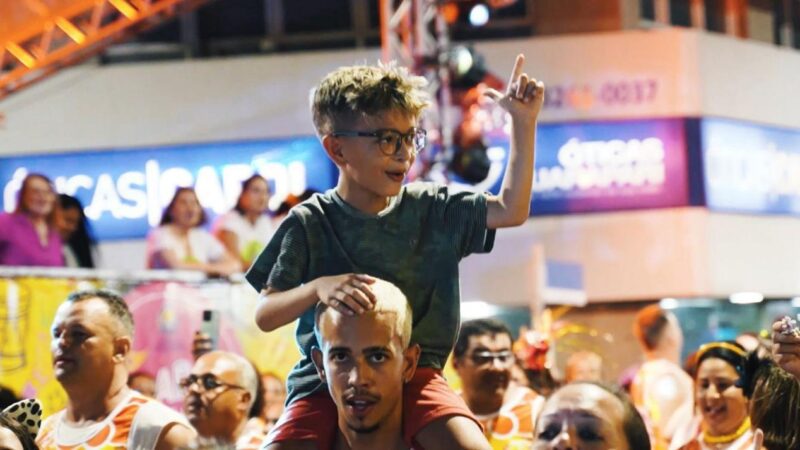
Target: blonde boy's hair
<point>388,300</point>
<point>351,93</point>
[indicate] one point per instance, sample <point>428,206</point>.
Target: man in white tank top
<point>92,336</point>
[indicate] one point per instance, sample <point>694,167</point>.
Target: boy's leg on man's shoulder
<point>308,423</point>
<point>456,432</point>
<point>435,417</point>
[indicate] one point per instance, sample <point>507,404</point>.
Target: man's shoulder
<point>521,397</point>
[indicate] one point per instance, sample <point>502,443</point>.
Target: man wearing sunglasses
<point>218,395</point>
<point>483,359</point>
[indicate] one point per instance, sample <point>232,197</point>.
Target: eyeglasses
<point>505,358</point>
<point>390,141</point>
<point>207,382</point>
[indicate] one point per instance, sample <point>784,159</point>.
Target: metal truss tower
<point>42,37</point>
<point>414,33</point>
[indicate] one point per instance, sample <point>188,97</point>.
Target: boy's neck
<point>361,200</point>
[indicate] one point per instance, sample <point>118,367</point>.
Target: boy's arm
<point>349,294</point>
<point>523,101</point>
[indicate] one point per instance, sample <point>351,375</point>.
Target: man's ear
<point>333,147</point>
<point>316,356</point>
<point>122,347</point>
<point>246,397</point>
<point>411,358</point>
<point>456,362</point>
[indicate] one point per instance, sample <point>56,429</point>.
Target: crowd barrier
<point>167,308</point>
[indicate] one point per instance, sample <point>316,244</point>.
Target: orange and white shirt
<point>512,427</point>
<point>135,424</point>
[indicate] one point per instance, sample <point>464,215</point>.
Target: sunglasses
<point>206,382</point>
<point>505,358</point>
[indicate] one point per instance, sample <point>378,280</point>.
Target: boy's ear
<point>316,356</point>
<point>333,147</point>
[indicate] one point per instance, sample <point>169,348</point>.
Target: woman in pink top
<point>28,236</point>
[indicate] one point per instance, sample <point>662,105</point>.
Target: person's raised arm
<point>348,293</point>
<point>523,101</point>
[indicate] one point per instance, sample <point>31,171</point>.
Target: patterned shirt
<point>512,427</point>
<point>415,243</point>
<point>136,423</point>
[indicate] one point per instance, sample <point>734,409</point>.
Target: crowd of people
<point>369,272</point>
<point>47,229</point>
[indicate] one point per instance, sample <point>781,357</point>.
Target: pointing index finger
<point>517,71</point>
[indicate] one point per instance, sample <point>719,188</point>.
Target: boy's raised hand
<point>349,294</point>
<point>523,97</point>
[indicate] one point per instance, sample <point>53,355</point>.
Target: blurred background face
<point>186,210</point>
<point>584,366</point>
<point>68,220</point>
<point>274,392</point>
<point>145,384</point>
<point>255,197</point>
<point>581,416</point>
<point>215,410</point>
<point>722,404</point>
<point>485,368</point>
<point>9,440</point>
<point>37,198</point>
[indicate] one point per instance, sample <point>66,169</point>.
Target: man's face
<point>365,366</point>
<point>85,345</point>
<point>369,170</point>
<point>581,416</point>
<point>215,401</point>
<point>485,367</point>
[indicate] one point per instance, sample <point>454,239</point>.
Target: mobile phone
<point>210,326</point>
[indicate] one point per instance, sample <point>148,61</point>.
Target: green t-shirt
<point>415,243</point>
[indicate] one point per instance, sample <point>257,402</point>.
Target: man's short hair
<point>250,380</point>
<point>116,305</point>
<point>351,93</point>
<point>389,299</point>
<point>478,327</point>
<point>632,423</point>
<point>649,326</point>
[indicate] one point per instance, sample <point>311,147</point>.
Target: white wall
<point>651,254</point>
<point>267,96</point>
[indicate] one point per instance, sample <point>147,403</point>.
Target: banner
<point>166,315</point>
<point>600,166</point>
<point>751,168</point>
<point>124,191</point>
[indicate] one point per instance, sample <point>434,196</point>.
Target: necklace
<point>727,438</point>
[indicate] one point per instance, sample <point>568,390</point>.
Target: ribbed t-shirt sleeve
<point>464,216</point>
<point>283,263</point>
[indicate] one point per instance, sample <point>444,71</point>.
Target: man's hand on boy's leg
<point>349,293</point>
<point>453,432</point>
<point>523,100</point>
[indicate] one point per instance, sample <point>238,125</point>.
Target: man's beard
<point>364,429</point>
